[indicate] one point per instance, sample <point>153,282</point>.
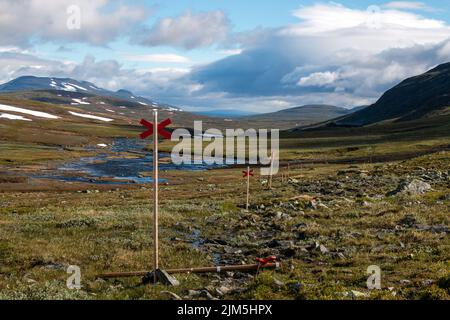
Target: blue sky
<point>256,55</point>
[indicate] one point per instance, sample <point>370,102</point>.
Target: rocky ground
<point>326,224</point>
<point>384,205</point>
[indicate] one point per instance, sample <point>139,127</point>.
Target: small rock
<point>405,282</point>
<point>277,283</point>
<point>294,287</point>
<point>323,249</point>
<point>173,296</point>
<point>365,204</point>
<point>212,219</point>
<point>30,281</point>
<point>200,294</point>
<point>55,266</point>
<point>427,282</point>
<point>409,220</point>
<point>282,216</point>
<point>223,290</point>
<point>323,206</point>
<point>355,294</point>
<point>445,197</point>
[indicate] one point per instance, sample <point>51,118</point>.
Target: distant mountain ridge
<point>226,113</point>
<point>416,97</point>
<point>32,83</point>
<point>305,114</point>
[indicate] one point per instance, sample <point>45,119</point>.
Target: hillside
<point>64,95</point>
<point>296,117</point>
<point>414,98</point>
<point>226,113</point>
<point>65,86</point>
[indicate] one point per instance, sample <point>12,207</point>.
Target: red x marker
<point>263,262</point>
<point>248,173</point>
<point>161,131</point>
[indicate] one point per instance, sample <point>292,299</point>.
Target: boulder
<point>414,187</point>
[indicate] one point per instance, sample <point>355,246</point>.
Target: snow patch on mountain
<point>38,114</point>
<point>89,116</point>
<point>79,101</point>
<point>13,117</point>
<point>78,87</point>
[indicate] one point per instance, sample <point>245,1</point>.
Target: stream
<point>115,167</point>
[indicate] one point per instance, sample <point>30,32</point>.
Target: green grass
<point>41,233</point>
<point>111,231</point>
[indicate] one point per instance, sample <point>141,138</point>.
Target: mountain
<point>421,96</point>
<point>226,113</point>
<point>354,109</point>
<point>298,116</point>
<point>67,85</point>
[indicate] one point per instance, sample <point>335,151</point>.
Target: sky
<point>254,55</point>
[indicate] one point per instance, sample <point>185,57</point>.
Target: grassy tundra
<point>328,223</point>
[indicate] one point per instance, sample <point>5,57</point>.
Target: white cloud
<point>46,20</point>
<point>369,30</point>
<point>188,30</point>
<point>319,79</point>
<point>166,57</point>
<point>230,52</point>
<point>333,55</point>
<point>407,5</point>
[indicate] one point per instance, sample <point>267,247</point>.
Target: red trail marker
<point>248,173</point>
<point>159,129</point>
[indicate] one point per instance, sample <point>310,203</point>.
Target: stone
<point>323,249</point>
<point>282,216</point>
<point>172,296</point>
<point>323,206</point>
<point>30,281</point>
<point>223,290</point>
<point>294,287</point>
<point>434,229</point>
<point>212,219</point>
<point>200,294</point>
<point>277,283</point>
<point>355,294</point>
<point>414,187</point>
<point>427,282</point>
<point>409,220</point>
<point>445,197</point>
<point>365,204</point>
<point>162,277</point>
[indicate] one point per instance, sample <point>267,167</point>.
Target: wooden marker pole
<point>247,174</point>
<point>155,196</point>
<point>271,170</point>
<point>248,188</point>
<point>156,129</point>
